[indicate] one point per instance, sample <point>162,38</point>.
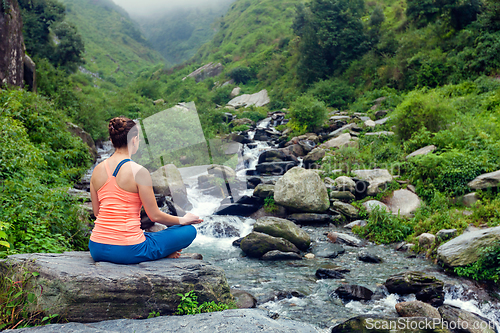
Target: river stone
<point>256,244</point>
<point>327,273</point>
<point>342,195</point>
<point>337,237</point>
<point>369,257</point>
<point>426,240</point>
<point>359,223</point>
<point>264,191</point>
<point>404,203</point>
<point>370,205</point>
<point>79,289</point>
<point>417,309</point>
<point>425,287</point>
<point>465,249</point>
<point>380,324</point>
<point>485,181</point>
<point>346,209</point>
<point>353,293</point>
<point>446,234</point>
<point>272,155</point>
<point>258,99</point>
<point>278,255</point>
<point>302,190</point>
<point>244,300</point>
<point>377,178</point>
<point>422,151</point>
<point>315,155</point>
<point>167,181</point>
<point>275,168</point>
<point>234,321</point>
<point>312,218</point>
<point>327,250</point>
<point>470,322</point>
<point>288,230</point>
<point>337,142</point>
<point>344,183</point>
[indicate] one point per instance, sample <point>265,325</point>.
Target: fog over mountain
<point>160,7</point>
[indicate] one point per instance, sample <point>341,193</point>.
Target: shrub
<point>308,112</point>
<point>241,75</point>
<point>335,92</point>
<point>486,268</point>
<point>189,305</point>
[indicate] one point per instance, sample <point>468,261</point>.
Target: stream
<point>290,288</point>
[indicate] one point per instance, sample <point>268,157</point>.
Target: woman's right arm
<point>145,187</point>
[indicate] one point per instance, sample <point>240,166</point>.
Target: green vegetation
<point>189,305</point>
<point>384,227</point>
<point>485,269</point>
<point>270,205</point>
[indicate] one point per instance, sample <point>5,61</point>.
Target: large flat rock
<point>258,99</point>
<point>72,285</point>
<point>234,321</point>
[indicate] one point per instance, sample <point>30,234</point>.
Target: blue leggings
<point>156,246</point>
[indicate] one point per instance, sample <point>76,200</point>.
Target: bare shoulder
<point>141,174</point>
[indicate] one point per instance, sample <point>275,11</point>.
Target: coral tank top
<point>119,219</point>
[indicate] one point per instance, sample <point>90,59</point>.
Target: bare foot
<point>174,255</point>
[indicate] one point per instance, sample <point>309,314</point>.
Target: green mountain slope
<point>114,46</point>
<point>178,34</point>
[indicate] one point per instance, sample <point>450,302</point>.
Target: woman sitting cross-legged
<point>117,199</point>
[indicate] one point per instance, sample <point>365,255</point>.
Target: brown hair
<point>121,131</point>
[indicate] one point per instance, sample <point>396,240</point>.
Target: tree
<point>70,49</point>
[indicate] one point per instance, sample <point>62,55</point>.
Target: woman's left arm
<point>95,200</point>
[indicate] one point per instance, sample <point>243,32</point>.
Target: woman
<point>117,199</point>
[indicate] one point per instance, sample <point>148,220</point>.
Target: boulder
<point>264,191</point>
<point>344,183</point>
<point>470,199</point>
<point>329,273</point>
<point>302,190</point>
<point>258,99</point>
<point>340,130</point>
<point>369,257</point>
<point>337,142</point>
<point>273,155</point>
<point>219,229</point>
<point>382,121</point>
<point>257,244</point>
<point>469,322</point>
<point>404,203</point>
<point>446,234</point>
<point>234,321</point>
<point>221,171</point>
<point>426,240</point>
<point>353,293</point>
<point>486,180</point>
<point>377,178</point>
<point>276,255</point>
<point>337,237</point>
<point>275,168</point>
<point>417,309</point>
<point>209,70</point>
<point>370,205</point>
<point>342,195</point>
<point>422,151</point>
<point>79,289</point>
<point>425,287</point>
<point>465,249</point>
<point>349,211</point>
<point>288,230</point>
<point>167,181</point>
<point>312,218</point>
<point>387,133</point>
<point>235,92</point>
<point>358,223</point>
<point>369,123</point>
<point>243,299</point>
<point>322,250</point>
<point>380,324</point>
<point>314,156</point>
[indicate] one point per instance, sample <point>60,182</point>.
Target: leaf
<point>35,274</point>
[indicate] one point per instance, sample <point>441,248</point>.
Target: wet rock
<point>349,211</point>
<point>276,255</point>
<point>219,229</point>
<point>465,249</point>
<point>309,256</point>
<point>87,291</point>
<point>257,244</point>
<point>156,227</point>
<point>275,168</point>
<point>337,142</point>
<point>330,273</point>
<point>258,99</point>
<point>322,250</point>
<point>209,70</point>
<point>288,230</point>
<point>167,181</point>
<point>422,151</point>
<point>344,183</point>
<point>273,155</point>
<point>380,324</point>
<point>417,309</point>
<point>359,223</point>
<point>302,190</point>
<point>469,322</point>
<point>426,288</point>
<point>353,293</point>
<point>337,237</point>
<point>244,300</point>
<point>263,191</point>
<point>237,242</point>
<point>370,205</point>
<point>486,180</point>
<point>426,240</point>
<point>369,257</point>
<point>237,209</point>
<point>195,256</point>
<point>342,195</point>
<point>404,202</point>
<point>446,234</point>
<point>377,179</point>
<point>234,321</point>
<point>311,218</point>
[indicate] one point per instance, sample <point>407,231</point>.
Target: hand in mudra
<point>190,218</point>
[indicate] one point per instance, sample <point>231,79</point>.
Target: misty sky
<point>147,7</point>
